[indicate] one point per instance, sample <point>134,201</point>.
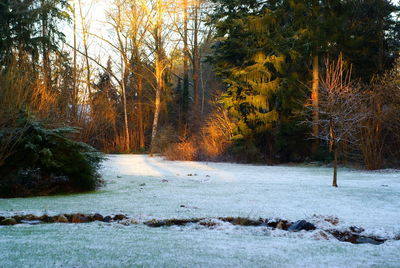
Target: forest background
<point>223,80</point>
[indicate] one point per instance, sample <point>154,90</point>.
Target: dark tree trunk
<point>185,93</point>
<point>140,114</point>
<point>335,160</point>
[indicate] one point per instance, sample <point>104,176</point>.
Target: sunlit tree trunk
<point>124,80</point>
<point>315,77</point>
<point>124,69</point>
<point>159,67</point>
<point>85,34</point>
<point>315,100</point>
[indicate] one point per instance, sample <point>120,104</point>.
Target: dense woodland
<point>236,80</point>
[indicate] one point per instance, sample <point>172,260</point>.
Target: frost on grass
<point>151,188</point>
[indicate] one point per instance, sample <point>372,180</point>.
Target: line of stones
<point>352,235</point>
<point>62,218</point>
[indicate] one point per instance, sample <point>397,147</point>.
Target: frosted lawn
<point>152,188</point>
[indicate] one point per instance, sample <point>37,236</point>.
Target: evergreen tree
<point>46,161</point>
<point>21,27</point>
<point>255,56</point>
<point>270,53</point>
<point>370,39</point>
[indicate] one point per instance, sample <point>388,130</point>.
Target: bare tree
<point>138,30</point>
<point>340,110</point>
<point>119,24</point>
<point>160,31</point>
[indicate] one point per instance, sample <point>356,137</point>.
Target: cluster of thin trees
<point>154,51</point>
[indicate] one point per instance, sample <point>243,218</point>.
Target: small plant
<point>216,135</point>
<point>185,150</point>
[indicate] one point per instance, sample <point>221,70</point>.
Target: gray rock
<point>107,219</point>
<point>301,225</point>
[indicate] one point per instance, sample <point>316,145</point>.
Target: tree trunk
<point>185,93</point>
<point>159,67</point>
<point>46,60</point>
<point>74,90</point>
<point>202,91</point>
<point>196,64</point>
<point>335,160</point>
<point>88,86</point>
<point>140,114</point>
<point>124,83</point>
<point>155,120</point>
<point>86,49</point>
<point>315,101</point>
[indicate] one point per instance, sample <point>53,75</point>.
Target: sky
<point>95,16</point>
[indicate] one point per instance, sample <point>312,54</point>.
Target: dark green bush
<point>47,161</point>
<point>244,150</point>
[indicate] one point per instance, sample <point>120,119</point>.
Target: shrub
<point>46,161</point>
<point>185,150</point>
<point>244,150</point>
<point>216,134</point>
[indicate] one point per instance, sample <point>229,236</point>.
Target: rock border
<point>351,235</point>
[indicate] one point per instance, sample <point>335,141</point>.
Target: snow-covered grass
<point>152,188</point>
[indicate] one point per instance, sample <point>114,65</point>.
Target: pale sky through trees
<point>95,14</point>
